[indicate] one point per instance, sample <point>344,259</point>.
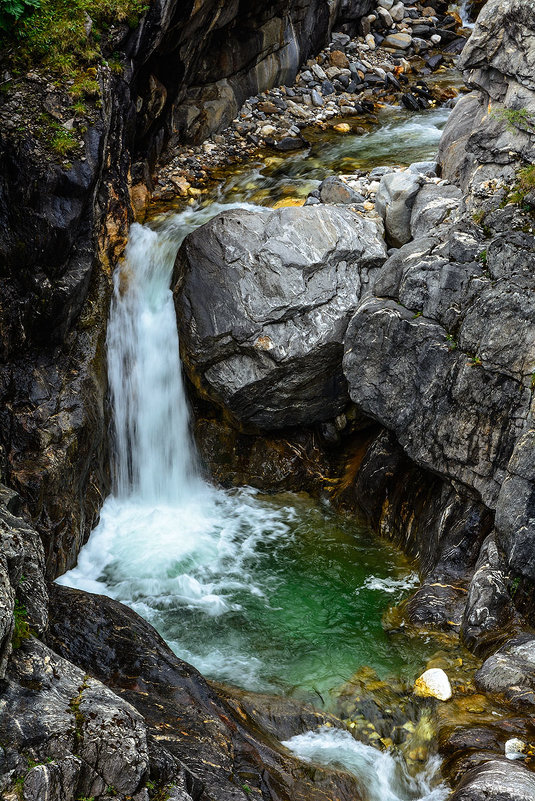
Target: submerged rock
<point>263,301</point>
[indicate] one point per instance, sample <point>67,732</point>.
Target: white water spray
<point>152,454</point>
<point>384,775</point>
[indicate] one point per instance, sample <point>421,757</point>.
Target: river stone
<point>399,41</point>
<point>434,683</point>
<point>515,748</point>
<point>394,200</point>
<point>263,300</point>
<point>496,780</point>
<point>334,190</point>
<point>510,672</point>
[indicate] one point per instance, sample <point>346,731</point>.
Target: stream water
<point>272,593</point>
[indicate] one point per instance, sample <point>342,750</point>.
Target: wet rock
<point>434,683</point>
<point>490,616</point>
<point>198,737</point>
<point>497,780</point>
<point>250,290</point>
<point>510,672</point>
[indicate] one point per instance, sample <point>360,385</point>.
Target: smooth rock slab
<point>497,780</point>
<point>394,201</point>
<point>263,300</point>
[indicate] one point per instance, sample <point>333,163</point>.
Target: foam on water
<point>384,774</point>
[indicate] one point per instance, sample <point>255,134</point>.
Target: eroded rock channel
<point>309,408</point>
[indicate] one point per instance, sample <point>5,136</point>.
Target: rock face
<point>263,301</point>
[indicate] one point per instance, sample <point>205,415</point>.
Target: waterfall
<point>152,451</point>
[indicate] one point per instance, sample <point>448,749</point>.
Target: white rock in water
<point>514,748</point>
<point>434,683</point>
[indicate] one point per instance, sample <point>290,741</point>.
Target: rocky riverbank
<point>397,60</point>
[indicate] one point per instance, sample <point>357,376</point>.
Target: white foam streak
<point>384,775</point>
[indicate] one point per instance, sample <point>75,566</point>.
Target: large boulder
<point>496,780</point>
<point>263,300</point>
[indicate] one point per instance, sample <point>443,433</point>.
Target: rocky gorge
<point>373,346</point>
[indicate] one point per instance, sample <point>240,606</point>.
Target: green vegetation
<point>21,629</point>
<point>517,118</point>
<point>525,183</point>
<point>452,344</point>
<point>79,719</point>
<point>65,37</point>
<point>63,142</point>
<point>13,10</point>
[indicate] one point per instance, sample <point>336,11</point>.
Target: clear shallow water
<point>401,138</point>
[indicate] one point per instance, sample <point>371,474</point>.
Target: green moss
<point>74,705</point>
<point>55,36</point>
<point>525,183</point>
<point>63,142</point>
<point>517,119</point>
<point>21,628</point>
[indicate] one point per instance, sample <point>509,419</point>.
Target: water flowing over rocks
<point>263,300</point>
<point>418,364</point>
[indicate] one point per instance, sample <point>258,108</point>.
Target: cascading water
<point>152,453</point>
<point>385,775</point>
<point>273,594</point>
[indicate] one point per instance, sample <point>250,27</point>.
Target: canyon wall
<point>184,72</point>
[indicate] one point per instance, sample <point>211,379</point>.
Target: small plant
<point>475,360</point>
<point>483,257</point>
<point>525,183</point>
<point>532,383</point>
<point>246,788</point>
<point>21,628</point>
<point>63,142</point>
<point>517,118</point>
<point>452,344</point>
<point>478,216</point>
<point>11,11</point>
<point>515,583</point>
<point>416,315</point>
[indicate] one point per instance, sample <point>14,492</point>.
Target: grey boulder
<point>394,201</point>
<point>263,301</point>
<point>496,780</point>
